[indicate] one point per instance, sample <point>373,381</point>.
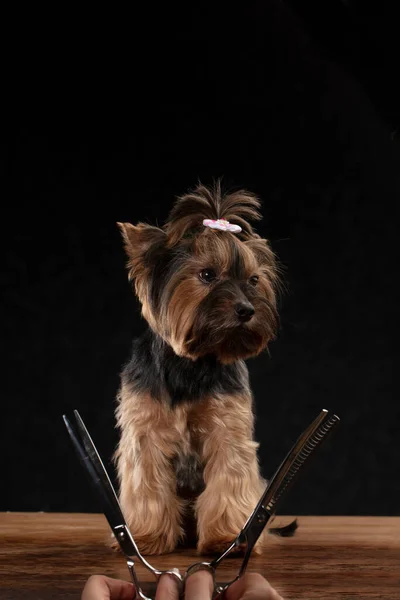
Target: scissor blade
<point>285,475</point>
<point>305,446</point>
<point>95,458</point>
<point>98,476</point>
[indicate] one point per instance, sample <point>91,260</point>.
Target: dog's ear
<point>139,238</point>
<point>139,242</point>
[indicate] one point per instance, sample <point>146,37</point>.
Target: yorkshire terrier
<point>207,286</point>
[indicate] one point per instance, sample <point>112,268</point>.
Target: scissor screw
<point>261,518</point>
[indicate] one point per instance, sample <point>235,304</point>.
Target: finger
<point>99,587</point>
<point>120,590</point>
<point>167,588</point>
<point>199,586</point>
<point>252,586</point>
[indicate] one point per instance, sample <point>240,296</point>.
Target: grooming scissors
<point>263,513</point>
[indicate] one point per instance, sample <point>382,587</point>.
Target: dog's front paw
<point>154,543</point>
<point>218,544</point>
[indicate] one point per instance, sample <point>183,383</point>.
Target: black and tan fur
<point>185,405</point>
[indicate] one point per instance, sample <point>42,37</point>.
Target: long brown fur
<point>208,436</point>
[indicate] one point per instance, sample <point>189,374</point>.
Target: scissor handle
<point>135,581</point>
<point>212,566</point>
<point>207,566</point>
<point>139,592</point>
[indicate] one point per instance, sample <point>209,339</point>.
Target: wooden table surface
<point>47,555</point>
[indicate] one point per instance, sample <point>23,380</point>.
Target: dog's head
<point>203,290</point>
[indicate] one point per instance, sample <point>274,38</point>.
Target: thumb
<point>252,586</point>
<point>99,587</point>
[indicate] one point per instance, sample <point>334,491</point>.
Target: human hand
<point>199,586</point>
<point>100,587</point>
<point>252,586</point>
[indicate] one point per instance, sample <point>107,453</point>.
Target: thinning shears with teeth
<point>263,513</point>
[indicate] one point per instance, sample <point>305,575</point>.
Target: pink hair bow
<point>222,225</point>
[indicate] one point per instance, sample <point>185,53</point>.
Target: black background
<point>113,115</point>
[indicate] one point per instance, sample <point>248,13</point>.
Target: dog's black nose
<point>244,311</point>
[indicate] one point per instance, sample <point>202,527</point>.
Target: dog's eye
<point>254,280</point>
<point>208,275</point>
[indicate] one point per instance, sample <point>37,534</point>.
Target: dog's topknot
<point>202,202</point>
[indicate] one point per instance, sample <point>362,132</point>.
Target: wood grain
<point>45,556</point>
